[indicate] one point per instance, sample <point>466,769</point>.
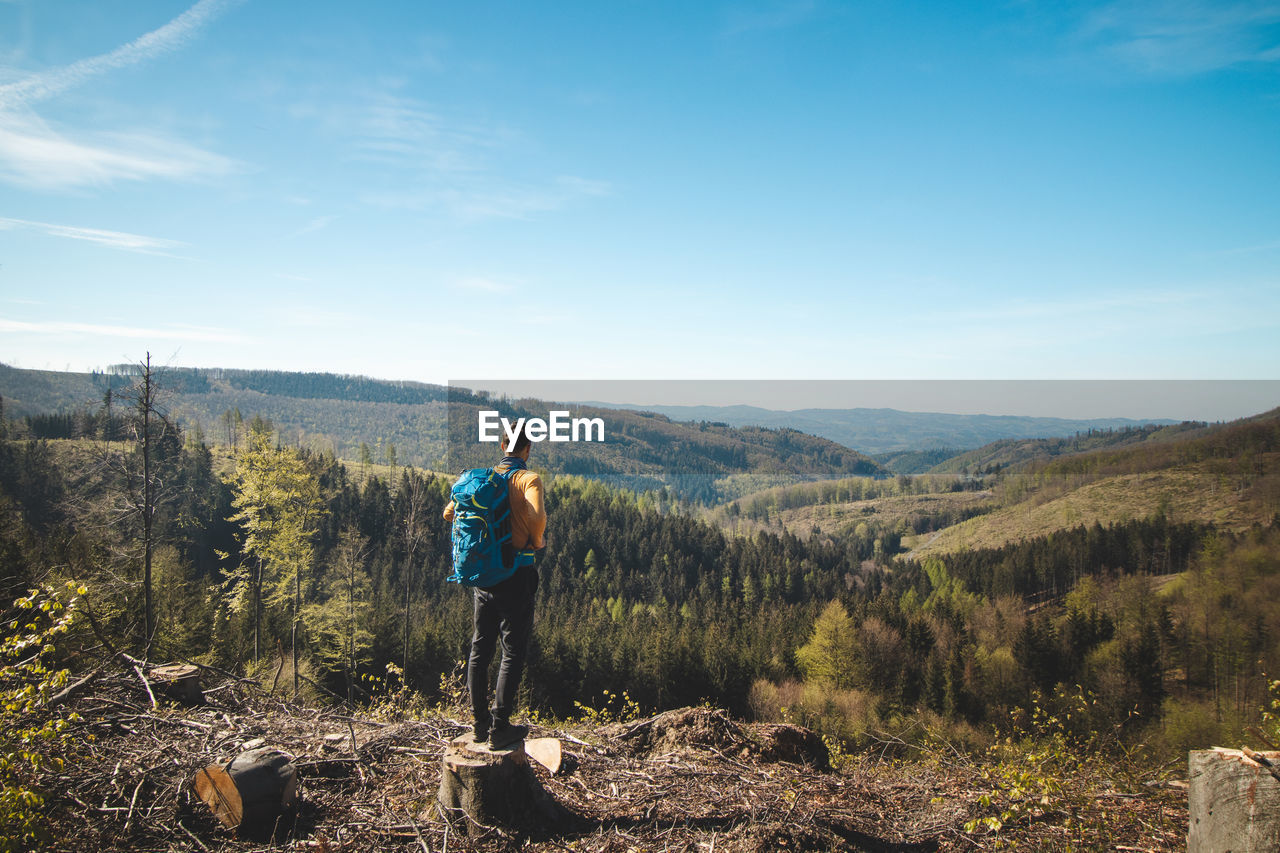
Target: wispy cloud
<point>298,317</point>
<point>1183,37</point>
<point>114,239</point>
<point>1098,306</point>
<point>314,225</point>
<point>491,198</point>
<point>171,333</point>
<point>33,154</point>
<point>406,133</point>
<point>495,201</point>
<point>427,160</point>
<point>45,84</point>
<point>770,16</point>
<point>1269,246</point>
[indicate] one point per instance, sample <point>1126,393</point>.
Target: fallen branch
<point>67,692</point>
<point>145,683</point>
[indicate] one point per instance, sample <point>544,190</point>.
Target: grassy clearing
<point>1184,493</point>
<point>840,519</point>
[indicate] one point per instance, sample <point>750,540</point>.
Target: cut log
<point>1234,803</point>
<point>545,751</point>
<point>483,788</point>
<point>251,791</point>
<point>180,682</point>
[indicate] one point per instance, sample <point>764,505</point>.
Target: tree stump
<point>251,791</point>
<point>179,681</point>
<point>1234,803</point>
<point>483,788</point>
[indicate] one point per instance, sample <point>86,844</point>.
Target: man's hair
<point>521,442</point>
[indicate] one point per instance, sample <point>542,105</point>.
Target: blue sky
<point>643,190</point>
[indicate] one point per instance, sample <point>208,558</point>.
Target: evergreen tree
<point>340,620</point>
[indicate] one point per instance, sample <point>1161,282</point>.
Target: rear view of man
<point>504,611</point>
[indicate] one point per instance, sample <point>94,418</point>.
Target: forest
<point>285,564</point>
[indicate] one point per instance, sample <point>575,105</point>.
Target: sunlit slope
<point>1229,475</point>
<point>1010,453</point>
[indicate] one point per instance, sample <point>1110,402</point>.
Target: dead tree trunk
<point>1234,802</point>
<point>482,788</point>
<point>250,792</point>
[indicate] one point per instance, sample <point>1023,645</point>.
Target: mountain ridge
<point>434,426</point>
<point>883,430</point>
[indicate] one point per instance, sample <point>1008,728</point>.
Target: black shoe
<point>480,732</point>
<point>505,735</point>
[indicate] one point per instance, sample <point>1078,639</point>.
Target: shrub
<point>31,738</point>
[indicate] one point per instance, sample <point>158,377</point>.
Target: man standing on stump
<point>504,611</point>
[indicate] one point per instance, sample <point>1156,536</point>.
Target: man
<point>505,610</point>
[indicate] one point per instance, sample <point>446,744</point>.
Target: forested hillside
<point>428,426</point>
<point>1228,475</point>
<point>1140,634</point>
<point>639,595</point>
<point>1010,453</point>
<point>890,431</point>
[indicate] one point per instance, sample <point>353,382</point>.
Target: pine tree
<point>340,622</point>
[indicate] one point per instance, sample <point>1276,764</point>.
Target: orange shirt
<point>528,512</point>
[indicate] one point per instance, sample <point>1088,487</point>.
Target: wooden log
<point>1233,802</point>
<point>483,788</point>
<point>180,682</point>
<point>546,751</point>
<point>251,791</point>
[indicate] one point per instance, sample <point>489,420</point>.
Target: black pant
<point>502,611</point>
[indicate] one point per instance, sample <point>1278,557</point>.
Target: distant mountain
<point>434,426</point>
<point>882,431</point>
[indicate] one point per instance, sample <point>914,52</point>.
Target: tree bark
<point>179,681</point>
<point>482,788</point>
<point>1234,803</point>
<point>145,403</point>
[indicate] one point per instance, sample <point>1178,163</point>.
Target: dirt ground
<point>687,780</point>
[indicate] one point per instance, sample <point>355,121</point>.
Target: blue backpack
<point>482,550</point>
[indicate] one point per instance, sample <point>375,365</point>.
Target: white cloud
<point>45,84</point>
<point>404,132</point>
<point>437,162</point>
<point>1184,36</point>
<point>173,333</point>
<point>34,155</point>
<point>114,239</point>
